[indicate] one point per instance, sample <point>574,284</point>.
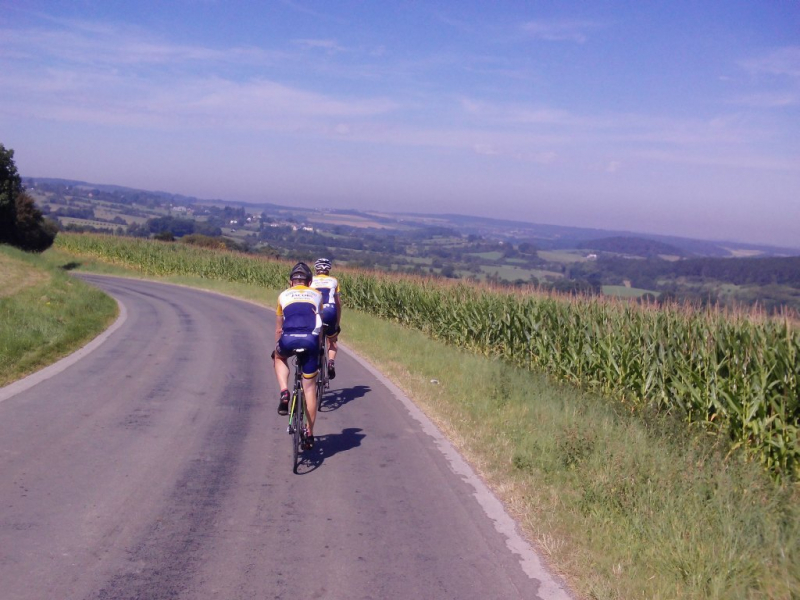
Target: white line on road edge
<point>549,588</point>
<point>28,382</point>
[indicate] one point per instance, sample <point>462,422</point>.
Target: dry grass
<point>16,276</point>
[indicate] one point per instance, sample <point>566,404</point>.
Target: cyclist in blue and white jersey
<point>297,327</point>
<point>331,308</point>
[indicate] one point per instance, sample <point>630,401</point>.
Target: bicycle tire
<point>297,433</point>
<point>320,387</point>
<point>326,381</point>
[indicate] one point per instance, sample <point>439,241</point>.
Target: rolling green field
<point>624,501</point>
<point>88,223</point>
<point>622,291</point>
<point>562,256</point>
<point>512,273</point>
<point>494,255</point>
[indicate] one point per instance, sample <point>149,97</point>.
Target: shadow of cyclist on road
<point>327,445</point>
<point>335,399</point>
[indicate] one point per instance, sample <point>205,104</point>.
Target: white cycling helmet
<point>323,265</point>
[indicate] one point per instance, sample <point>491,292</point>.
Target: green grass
<point>510,273</point>
<point>622,291</point>
<point>546,275</point>
<point>563,256</point>
<point>48,315</point>
<point>623,504</point>
<point>494,255</point>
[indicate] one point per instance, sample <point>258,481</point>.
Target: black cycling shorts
<point>290,343</point>
<point>329,317</point>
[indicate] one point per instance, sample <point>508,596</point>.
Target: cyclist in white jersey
<point>331,308</point>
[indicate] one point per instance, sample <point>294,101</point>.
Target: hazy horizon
<point>432,214</point>
<point>663,118</point>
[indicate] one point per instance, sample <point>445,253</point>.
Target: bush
<point>21,223</point>
<point>164,236</point>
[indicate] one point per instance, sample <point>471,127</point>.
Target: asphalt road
<point>156,467</point>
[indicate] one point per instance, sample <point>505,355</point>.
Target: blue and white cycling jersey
<point>300,307</point>
<point>328,286</point>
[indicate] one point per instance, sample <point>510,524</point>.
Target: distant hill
<point>738,271</point>
<point>632,246</point>
<point>119,190</point>
<point>542,236</point>
<point>744,271</point>
<point>555,237</point>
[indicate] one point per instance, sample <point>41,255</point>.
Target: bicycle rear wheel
<point>320,391</point>
<point>326,381</point>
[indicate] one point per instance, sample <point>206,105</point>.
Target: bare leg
<point>282,372</point>
<point>332,348</point>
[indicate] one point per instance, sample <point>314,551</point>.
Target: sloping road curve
<point>156,467</point>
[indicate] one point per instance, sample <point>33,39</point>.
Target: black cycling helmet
<point>323,265</point>
<point>301,271</point>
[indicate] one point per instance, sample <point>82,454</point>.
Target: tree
<point>164,236</point>
<point>33,233</point>
<point>21,223</point>
<point>10,188</point>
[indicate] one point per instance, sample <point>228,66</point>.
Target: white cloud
<point>301,8</point>
<point>540,158</point>
<point>780,62</point>
<point>777,76</point>
<point>119,76</point>
<point>485,149</point>
<point>115,46</point>
<point>329,46</point>
<point>560,30</point>
<point>769,99</point>
<point>110,75</point>
<point>730,160</point>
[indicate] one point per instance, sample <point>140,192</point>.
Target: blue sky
<point>671,117</point>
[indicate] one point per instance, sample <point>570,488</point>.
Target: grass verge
<point>623,506</point>
<point>44,313</point>
<point>624,509</point>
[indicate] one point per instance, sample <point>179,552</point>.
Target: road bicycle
<point>298,414</point>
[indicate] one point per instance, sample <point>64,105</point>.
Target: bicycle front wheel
<point>298,419</point>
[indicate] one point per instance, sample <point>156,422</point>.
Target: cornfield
<point>736,374</point>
